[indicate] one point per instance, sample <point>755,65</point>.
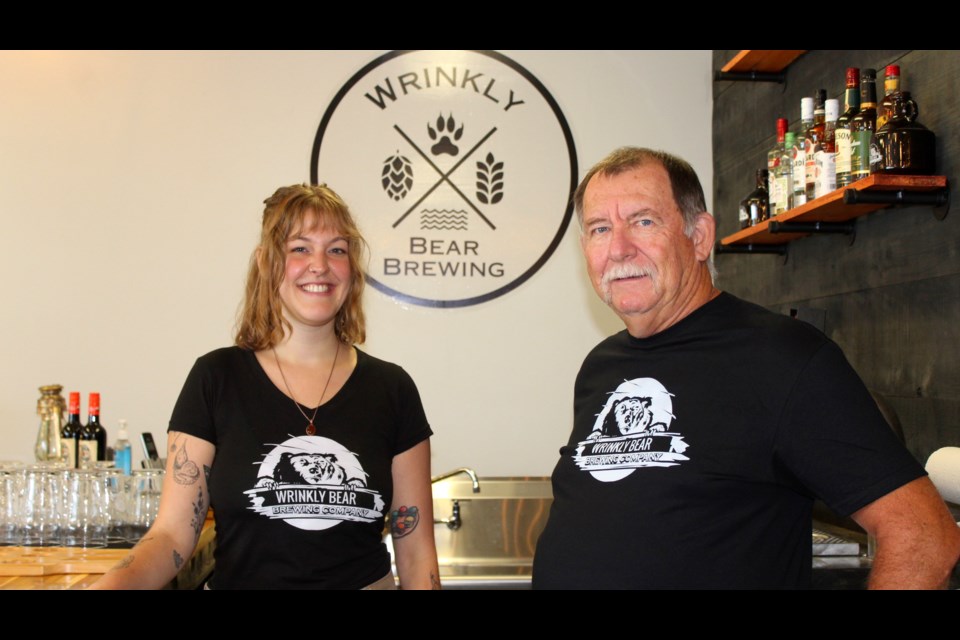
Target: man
<point>703,433</point>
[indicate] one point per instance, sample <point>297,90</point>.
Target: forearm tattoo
<point>185,471</point>
<point>199,515</point>
<point>403,521</point>
<point>123,564</point>
<point>177,559</point>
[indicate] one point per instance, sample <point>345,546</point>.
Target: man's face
<point>640,261</point>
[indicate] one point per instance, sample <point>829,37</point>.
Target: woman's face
<point>316,276</point>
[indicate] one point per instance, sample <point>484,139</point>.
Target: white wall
<point>130,193</point>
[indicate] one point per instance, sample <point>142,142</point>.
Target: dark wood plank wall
<point>892,299</point>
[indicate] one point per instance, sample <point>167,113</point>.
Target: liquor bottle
<point>755,207</point>
<point>891,88</point>
<point>93,437</point>
<point>863,125</point>
<point>785,174</point>
<point>852,107</point>
<point>777,199</point>
<point>906,146</point>
<point>70,434</point>
<point>800,153</point>
<point>814,137</point>
<point>121,449</point>
<point>826,151</point>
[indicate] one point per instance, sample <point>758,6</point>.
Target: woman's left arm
<point>411,519</point>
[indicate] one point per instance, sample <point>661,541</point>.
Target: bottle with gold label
<point>891,89</point>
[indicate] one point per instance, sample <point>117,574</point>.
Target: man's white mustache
<point>625,271</point>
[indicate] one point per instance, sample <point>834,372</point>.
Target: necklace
<point>310,428</point>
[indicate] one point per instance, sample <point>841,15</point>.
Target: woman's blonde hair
<point>261,324</point>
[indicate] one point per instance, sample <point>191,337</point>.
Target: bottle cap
<point>122,431</point>
<point>74,402</point>
<point>790,138</point>
<point>868,74</point>
<point>893,70</point>
<point>821,98</point>
<point>93,405</point>
<point>806,108</point>
<point>781,127</point>
<point>832,110</point>
<point>853,77</point>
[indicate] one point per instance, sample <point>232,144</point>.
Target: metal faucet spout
<point>465,470</point>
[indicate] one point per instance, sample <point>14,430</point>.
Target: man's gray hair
<point>687,191</point>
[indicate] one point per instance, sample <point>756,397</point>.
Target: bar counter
<point>31,568</point>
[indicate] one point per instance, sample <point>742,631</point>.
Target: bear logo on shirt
<point>632,430</point>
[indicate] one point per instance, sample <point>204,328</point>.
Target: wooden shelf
<point>761,61</point>
<point>831,208</point>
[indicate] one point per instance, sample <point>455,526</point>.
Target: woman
<point>298,440</point>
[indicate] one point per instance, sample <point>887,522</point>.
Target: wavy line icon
<point>443,219</point>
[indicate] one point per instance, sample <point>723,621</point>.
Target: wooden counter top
<point>27,568</point>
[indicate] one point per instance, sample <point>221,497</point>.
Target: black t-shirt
<point>696,454</point>
<point>298,511</point>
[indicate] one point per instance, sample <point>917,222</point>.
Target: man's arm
<point>918,542</point>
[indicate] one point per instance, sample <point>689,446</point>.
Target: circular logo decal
<point>458,166</point>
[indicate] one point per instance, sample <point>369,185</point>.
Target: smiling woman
<point>305,441</point>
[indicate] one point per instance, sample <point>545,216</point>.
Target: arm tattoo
<point>199,515</point>
<point>403,521</point>
<point>434,583</point>
<point>185,471</point>
<point>123,564</point>
<point>177,559</point>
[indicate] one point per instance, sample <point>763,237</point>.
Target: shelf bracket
<point>939,199</point>
<point>749,76</point>
<point>755,249</point>
<point>846,228</point>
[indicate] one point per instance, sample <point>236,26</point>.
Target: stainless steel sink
<point>491,541</point>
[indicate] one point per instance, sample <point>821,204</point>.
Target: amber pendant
<point>311,429</point>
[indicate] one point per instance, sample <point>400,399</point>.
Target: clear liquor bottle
<point>800,153</point>
<point>777,199</point>
<point>813,138</point>
<point>826,152</point>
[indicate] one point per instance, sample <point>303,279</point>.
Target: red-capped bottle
<point>93,437</point>
<point>70,433</point>
<point>891,91</point>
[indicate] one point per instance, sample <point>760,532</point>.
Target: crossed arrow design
<point>444,177</point>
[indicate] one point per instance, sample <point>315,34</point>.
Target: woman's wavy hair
<point>261,324</point>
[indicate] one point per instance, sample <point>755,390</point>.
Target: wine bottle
<point>70,434</point>
<point>851,108</point>
<point>863,125</point>
<point>754,208</point>
<point>93,437</point>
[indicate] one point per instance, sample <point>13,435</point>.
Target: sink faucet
<point>450,474</point>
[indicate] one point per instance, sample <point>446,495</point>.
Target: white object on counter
<point>943,466</point>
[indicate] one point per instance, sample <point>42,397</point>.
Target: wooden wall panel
<point>892,299</point>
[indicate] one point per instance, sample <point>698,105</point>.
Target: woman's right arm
<point>170,542</point>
